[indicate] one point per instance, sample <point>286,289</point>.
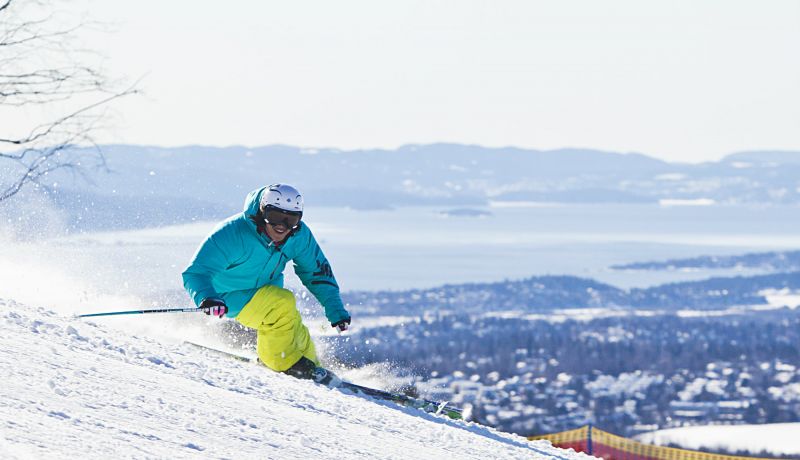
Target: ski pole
<point>141,312</point>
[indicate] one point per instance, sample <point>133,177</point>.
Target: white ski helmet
<point>283,197</point>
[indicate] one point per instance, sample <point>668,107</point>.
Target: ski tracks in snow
<point>83,390</point>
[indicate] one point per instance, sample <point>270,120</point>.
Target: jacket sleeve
<point>209,260</point>
<point>315,272</point>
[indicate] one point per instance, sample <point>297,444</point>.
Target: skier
<point>238,272</point>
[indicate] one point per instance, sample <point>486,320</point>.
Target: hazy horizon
<point>680,81</point>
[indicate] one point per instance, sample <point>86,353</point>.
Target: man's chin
<point>280,235</point>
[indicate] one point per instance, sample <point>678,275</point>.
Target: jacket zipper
<point>271,255</point>
<point>277,265</point>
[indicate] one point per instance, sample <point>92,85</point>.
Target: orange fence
<point>611,447</point>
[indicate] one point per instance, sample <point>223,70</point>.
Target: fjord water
<point>421,247</point>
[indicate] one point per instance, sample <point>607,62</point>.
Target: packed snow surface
<point>81,389</point>
<point>775,438</point>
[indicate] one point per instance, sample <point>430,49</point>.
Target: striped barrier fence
<point>608,446</point>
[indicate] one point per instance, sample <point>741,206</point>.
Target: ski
<point>423,404</point>
<point>222,352</point>
<point>438,408</point>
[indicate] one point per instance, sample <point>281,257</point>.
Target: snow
<point>693,202</point>
<point>627,383</point>
<point>320,326</point>
<point>780,298</point>
<point>672,177</point>
<point>560,315</point>
<point>775,438</point>
<point>85,390</point>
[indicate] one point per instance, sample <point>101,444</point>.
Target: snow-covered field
<point>775,438</point>
<point>81,389</point>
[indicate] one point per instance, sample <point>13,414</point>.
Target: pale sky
<point>681,80</point>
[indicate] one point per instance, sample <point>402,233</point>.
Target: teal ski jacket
<point>236,260</point>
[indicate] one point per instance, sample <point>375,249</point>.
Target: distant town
<point>553,353</point>
<point>625,374</point>
<point>548,354</point>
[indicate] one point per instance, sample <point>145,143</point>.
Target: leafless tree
<point>44,77</point>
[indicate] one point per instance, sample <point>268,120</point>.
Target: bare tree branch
<point>46,129</point>
<point>40,69</point>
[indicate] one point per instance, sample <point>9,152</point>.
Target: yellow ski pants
<point>282,336</point>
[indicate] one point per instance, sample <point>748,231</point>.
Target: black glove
<point>342,324</point>
<point>213,306</point>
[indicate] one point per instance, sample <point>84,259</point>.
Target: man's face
<point>277,233</point>
<point>280,224</point>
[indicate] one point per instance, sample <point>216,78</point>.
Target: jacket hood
<point>253,202</point>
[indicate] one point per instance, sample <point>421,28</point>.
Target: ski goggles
<point>288,219</point>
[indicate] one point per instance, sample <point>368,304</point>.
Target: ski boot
<point>306,369</point>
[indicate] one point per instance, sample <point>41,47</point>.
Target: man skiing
<point>238,272</point>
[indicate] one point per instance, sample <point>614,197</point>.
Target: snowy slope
<point>84,390</point>
<point>774,438</point>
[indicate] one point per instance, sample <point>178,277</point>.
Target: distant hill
<point>208,182</point>
<point>546,293</point>
<point>763,158</point>
<point>785,261</point>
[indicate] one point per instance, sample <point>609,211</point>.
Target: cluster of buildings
<point>629,403</point>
